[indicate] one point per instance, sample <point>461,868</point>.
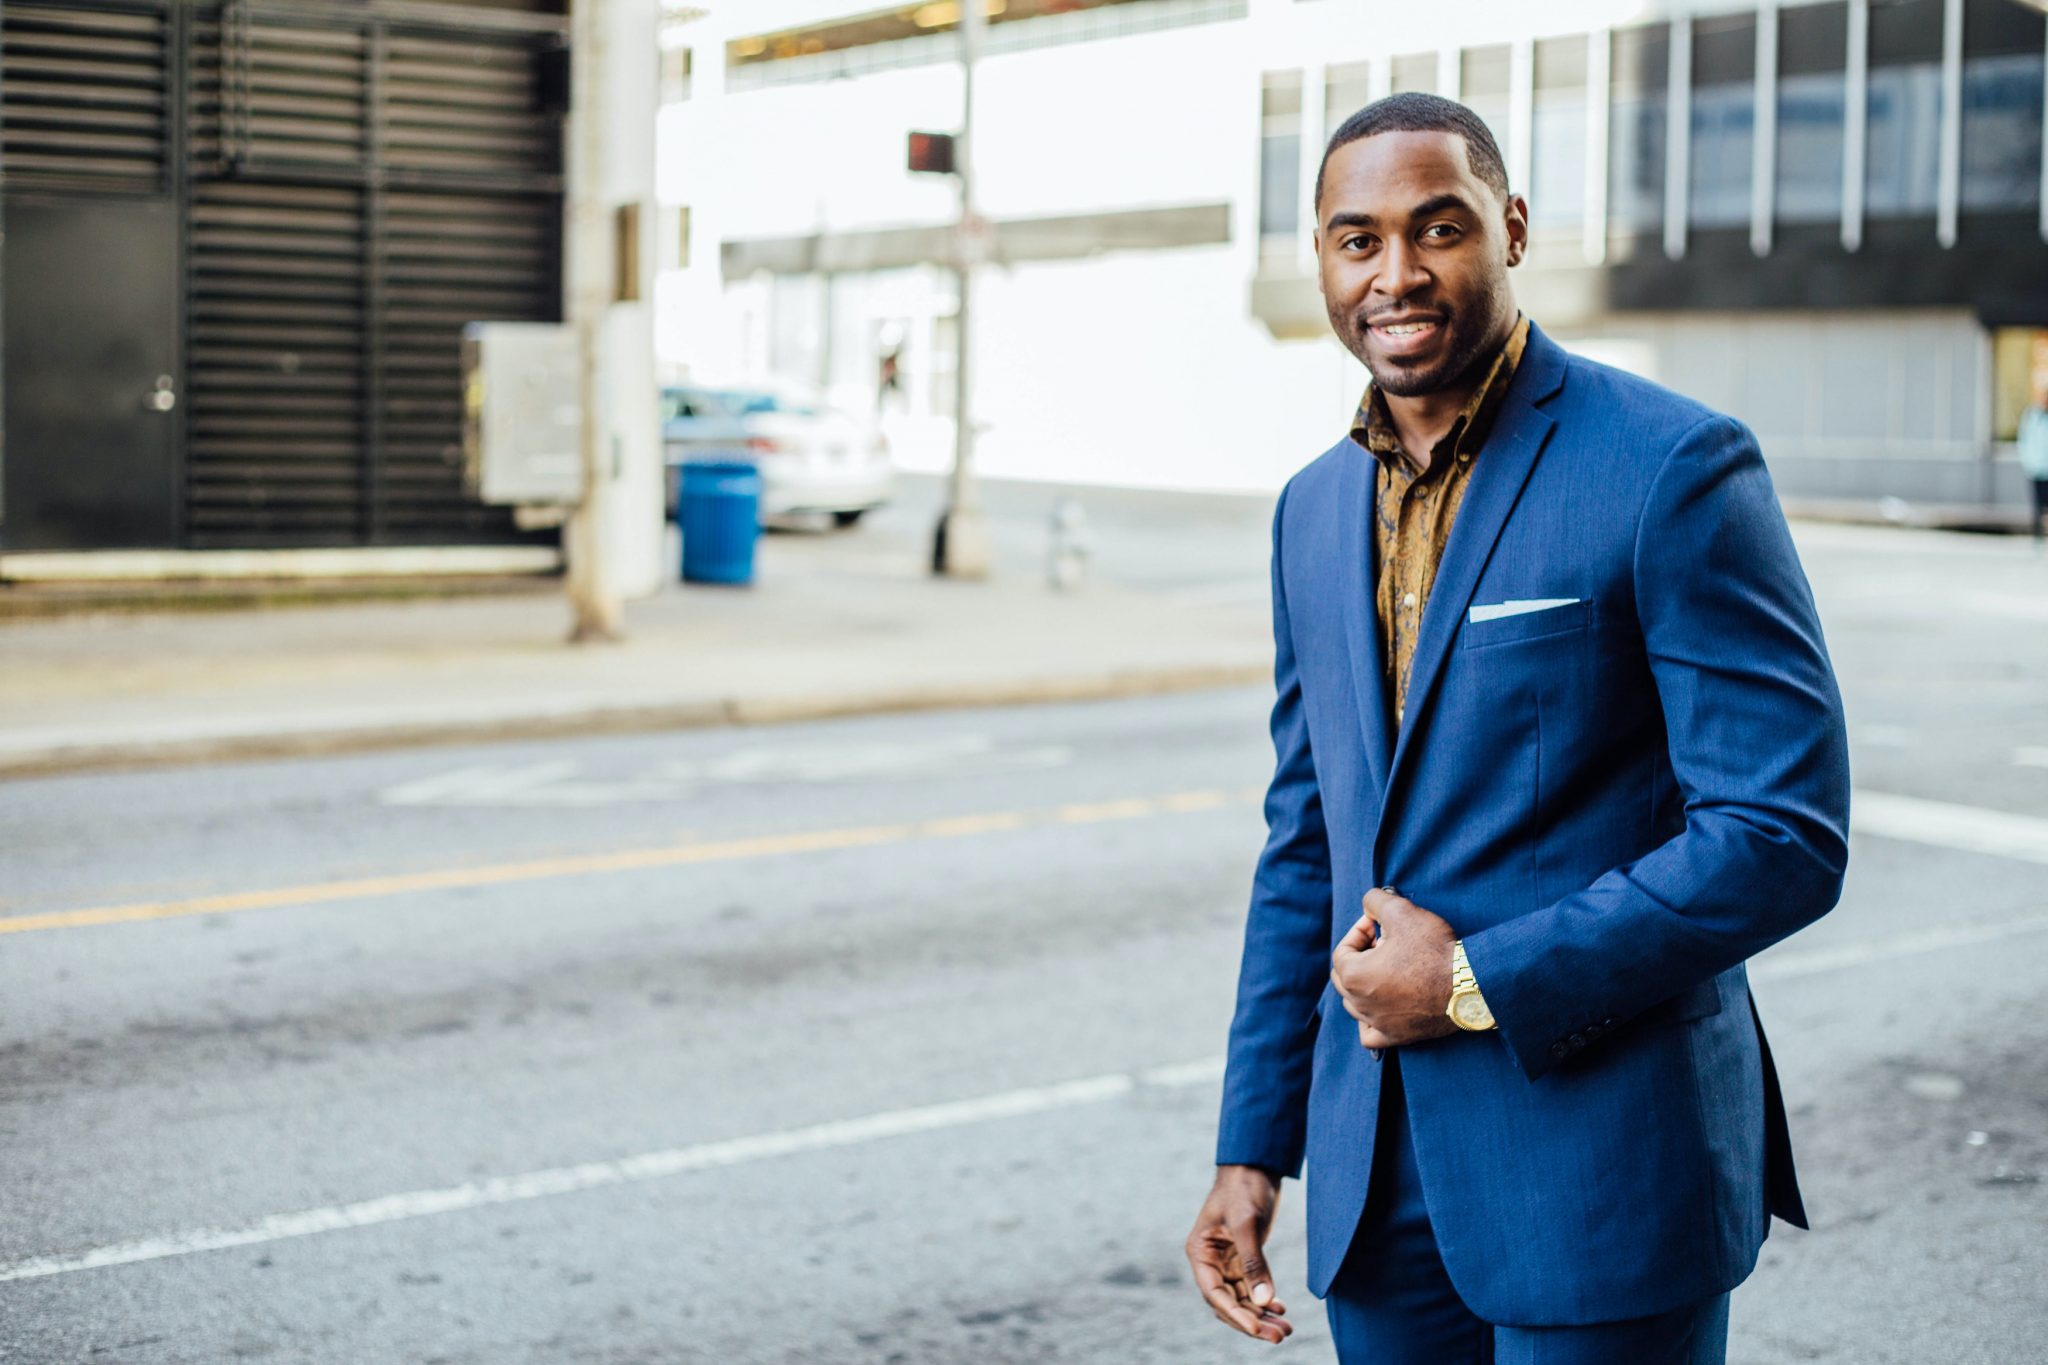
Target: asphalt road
<point>893,1040</point>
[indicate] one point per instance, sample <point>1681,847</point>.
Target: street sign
<point>931,153</point>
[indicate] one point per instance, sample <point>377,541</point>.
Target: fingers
<point>1385,903</point>
<point>1221,1278</point>
<point>1368,1036</point>
<point>1360,936</point>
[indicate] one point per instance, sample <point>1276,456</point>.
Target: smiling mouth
<point>1404,337</point>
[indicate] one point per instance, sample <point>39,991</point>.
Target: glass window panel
<point>2002,132</point>
<point>1905,138</point>
<point>1810,147</point>
<point>1279,184</point>
<point>1483,88</point>
<point>1635,129</point>
<point>1347,88</point>
<point>1415,71</point>
<point>1557,135</point>
<point>1723,129</point>
<point>1557,172</point>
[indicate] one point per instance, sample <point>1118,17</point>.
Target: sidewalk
<point>821,633</point>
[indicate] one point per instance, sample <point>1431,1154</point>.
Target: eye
<point>1357,241</point>
<point>1441,231</point>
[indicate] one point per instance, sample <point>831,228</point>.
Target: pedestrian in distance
<point>2033,442</point>
<point>1546,661</point>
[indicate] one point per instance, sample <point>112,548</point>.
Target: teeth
<point>1402,329</point>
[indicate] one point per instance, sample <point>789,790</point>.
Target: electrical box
<point>522,425</point>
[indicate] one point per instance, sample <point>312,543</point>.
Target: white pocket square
<point>1517,608</point>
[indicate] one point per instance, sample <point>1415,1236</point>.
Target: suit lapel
<point>1502,468</point>
<point>1361,618</point>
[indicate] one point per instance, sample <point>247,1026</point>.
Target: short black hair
<point>1411,111</point>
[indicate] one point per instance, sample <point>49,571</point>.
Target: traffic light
<point>932,153</point>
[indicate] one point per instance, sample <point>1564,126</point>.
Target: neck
<point>1421,420</point>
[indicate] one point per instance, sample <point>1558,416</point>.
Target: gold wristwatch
<point>1468,1007</point>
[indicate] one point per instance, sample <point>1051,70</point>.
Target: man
<point>2033,444</point>
<point>1547,663</point>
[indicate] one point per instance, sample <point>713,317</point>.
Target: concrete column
<point>1949,191</point>
<point>1521,111</point>
<point>1856,125</point>
<point>1763,161</point>
<point>1599,113</point>
<point>1678,137</point>
<point>1315,91</point>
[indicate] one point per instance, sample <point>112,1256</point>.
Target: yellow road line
<point>627,860</point>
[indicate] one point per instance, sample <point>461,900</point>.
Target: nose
<point>1401,271</point>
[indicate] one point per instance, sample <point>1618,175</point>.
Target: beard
<point>1470,336</point>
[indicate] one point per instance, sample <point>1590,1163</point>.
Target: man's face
<point>1413,250</point>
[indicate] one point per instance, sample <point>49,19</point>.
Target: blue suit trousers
<point>1393,1303</point>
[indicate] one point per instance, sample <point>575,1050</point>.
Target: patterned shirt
<point>1415,508</point>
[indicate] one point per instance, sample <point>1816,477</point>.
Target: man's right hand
<point>1227,1252</point>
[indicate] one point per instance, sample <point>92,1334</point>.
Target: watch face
<point>1468,1011</point>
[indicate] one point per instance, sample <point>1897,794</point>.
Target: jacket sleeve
<point>1286,960</point>
<point>1757,747</point>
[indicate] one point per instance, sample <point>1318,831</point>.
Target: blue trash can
<point>718,509</point>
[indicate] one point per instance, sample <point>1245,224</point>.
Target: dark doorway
<point>91,328</point>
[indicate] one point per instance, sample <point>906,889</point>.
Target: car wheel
<point>845,519</point>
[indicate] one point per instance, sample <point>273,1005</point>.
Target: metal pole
<point>594,599</point>
<point>960,545</point>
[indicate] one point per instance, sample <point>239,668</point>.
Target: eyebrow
<point>1429,207</point>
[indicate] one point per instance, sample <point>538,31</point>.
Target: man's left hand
<point>1393,970</point>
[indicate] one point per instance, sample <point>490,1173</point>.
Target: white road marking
<point>1776,964</point>
<point>1900,817</point>
<point>623,1171</point>
<point>558,783</point>
<point>1967,829</point>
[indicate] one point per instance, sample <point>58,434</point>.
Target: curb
<point>59,760</point>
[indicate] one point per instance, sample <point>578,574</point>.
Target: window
<point>1905,109</point>
<point>1280,158</point>
<point>1635,158</point>
<point>1347,88</point>
<point>1483,88</point>
<point>1416,71</point>
<point>1812,104</point>
<point>2002,80</point>
<point>1723,120</point>
<point>1557,141</point>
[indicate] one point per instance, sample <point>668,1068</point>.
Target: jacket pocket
<point>1526,625</point>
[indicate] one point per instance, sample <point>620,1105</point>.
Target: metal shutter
<point>84,97</point>
<point>363,183</point>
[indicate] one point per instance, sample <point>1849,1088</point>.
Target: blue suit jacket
<point>1615,803</point>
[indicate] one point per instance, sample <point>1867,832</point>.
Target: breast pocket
<point>1542,624</point>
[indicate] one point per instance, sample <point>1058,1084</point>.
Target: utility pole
<point>960,544</point>
<point>594,599</point>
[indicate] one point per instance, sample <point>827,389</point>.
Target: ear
<point>1515,217</point>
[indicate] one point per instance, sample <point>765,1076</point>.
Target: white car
<point>813,460</point>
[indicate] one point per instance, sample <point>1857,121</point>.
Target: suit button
<point>1606,1023</point>
<point>1578,1040</point>
<point>1560,1050</point>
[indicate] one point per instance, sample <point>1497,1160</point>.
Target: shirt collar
<point>1373,427</point>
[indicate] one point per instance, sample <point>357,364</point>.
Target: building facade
<point>242,238</point>
<point>1826,218</point>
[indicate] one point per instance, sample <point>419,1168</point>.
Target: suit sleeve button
<point>1560,1049</point>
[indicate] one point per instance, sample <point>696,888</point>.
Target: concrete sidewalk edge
<point>174,750</point>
